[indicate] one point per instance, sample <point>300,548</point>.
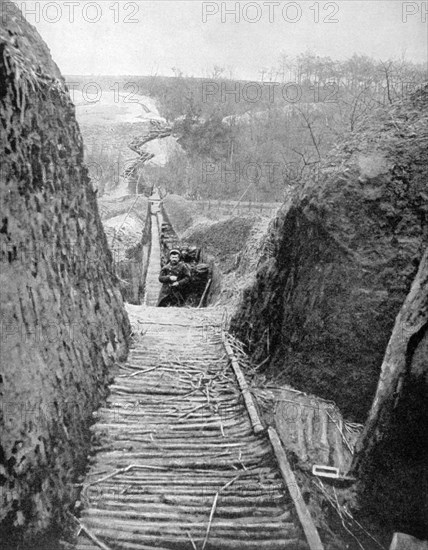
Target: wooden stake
<point>305,518</point>
<point>248,398</point>
<point>205,293</point>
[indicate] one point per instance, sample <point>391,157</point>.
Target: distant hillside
<point>109,121</point>
<point>308,78</point>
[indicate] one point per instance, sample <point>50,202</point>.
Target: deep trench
<point>145,260</point>
<point>48,176</point>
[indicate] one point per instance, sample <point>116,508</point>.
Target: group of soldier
<point>184,278</point>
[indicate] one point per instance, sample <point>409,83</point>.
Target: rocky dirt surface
<point>63,322</point>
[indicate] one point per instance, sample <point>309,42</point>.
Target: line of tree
<point>231,148</point>
<point>232,145</point>
<point>387,79</point>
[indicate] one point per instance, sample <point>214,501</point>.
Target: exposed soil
<point>344,254</point>
<point>63,322</point>
<point>125,222</point>
<point>342,257</point>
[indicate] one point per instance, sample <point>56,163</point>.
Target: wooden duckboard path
<point>177,464</point>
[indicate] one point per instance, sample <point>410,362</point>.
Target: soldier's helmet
<point>175,251</point>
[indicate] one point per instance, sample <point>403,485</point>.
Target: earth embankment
<point>63,322</point>
<point>127,226</point>
<point>342,256</point>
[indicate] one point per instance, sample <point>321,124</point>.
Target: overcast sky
<point>149,37</point>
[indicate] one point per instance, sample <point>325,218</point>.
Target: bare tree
<point>177,72</point>
<point>310,126</point>
<point>262,72</point>
<point>387,67</point>
<point>217,72</point>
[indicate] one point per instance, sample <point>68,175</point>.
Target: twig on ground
<point>138,372</point>
<point>191,411</point>
<point>192,541</point>
<point>89,534</point>
<point>210,521</point>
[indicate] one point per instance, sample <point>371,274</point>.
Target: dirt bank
<point>180,213</point>
<point>126,224</point>
<point>63,322</point>
<point>391,461</point>
<point>343,255</point>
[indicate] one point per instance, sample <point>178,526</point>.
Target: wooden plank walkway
<point>176,463</point>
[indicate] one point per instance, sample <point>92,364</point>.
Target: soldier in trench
<point>174,276</point>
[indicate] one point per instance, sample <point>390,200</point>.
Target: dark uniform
<point>169,295</point>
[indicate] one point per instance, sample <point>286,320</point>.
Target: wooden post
<point>289,478</point>
<point>207,286</point>
<point>287,473</point>
<point>248,398</point>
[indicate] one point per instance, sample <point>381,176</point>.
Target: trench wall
<point>339,261</point>
<point>62,318</point>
